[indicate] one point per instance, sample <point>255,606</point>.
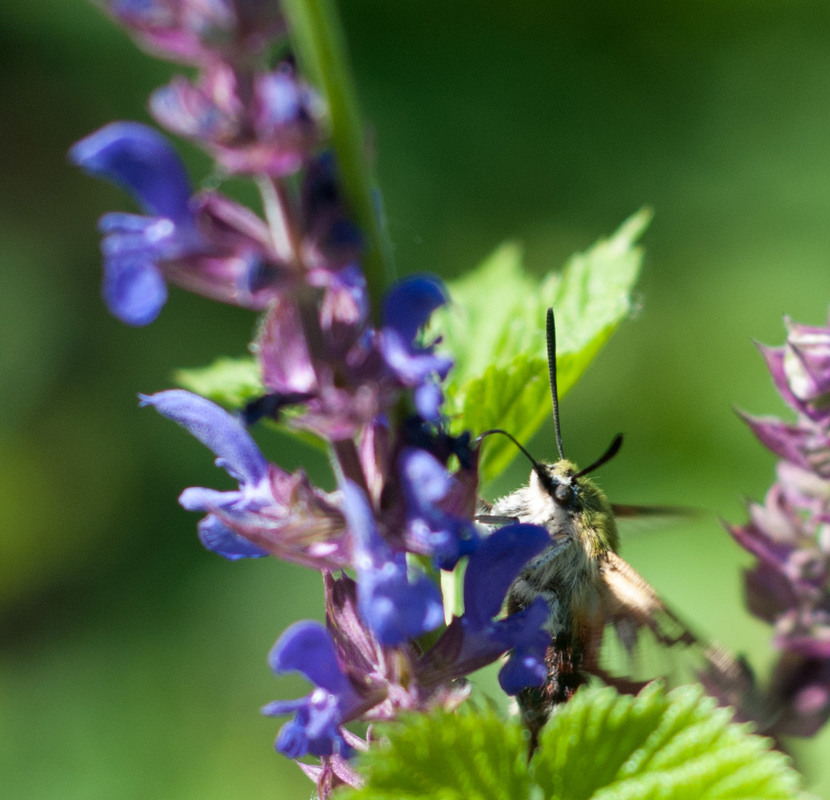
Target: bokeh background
<point>132,663</point>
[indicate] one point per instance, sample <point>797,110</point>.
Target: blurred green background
<point>132,663</point>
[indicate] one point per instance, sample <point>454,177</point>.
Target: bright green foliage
<point>601,745</point>
<point>495,331</point>
<point>461,755</point>
<point>679,746</point>
<point>231,382</point>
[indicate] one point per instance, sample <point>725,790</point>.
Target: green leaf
<point>601,745</point>
<point>447,756</point>
<point>680,746</point>
<point>495,331</point>
<point>231,382</point>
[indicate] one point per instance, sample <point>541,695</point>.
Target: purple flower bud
<point>206,112</point>
<point>344,376</point>
<point>790,535</point>
<point>807,366</point>
<point>283,352</point>
<point>396,606</point>
<point>273,132</point>
<point>801,444</point>
<point>199,31</point>
<point>307,647</point>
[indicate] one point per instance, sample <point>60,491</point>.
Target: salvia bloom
<point>205,243</point>
<point>369,388</point>
<point>789,534</point>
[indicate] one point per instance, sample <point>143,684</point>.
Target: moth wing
<point>638,520</point>
<point>642,639</point>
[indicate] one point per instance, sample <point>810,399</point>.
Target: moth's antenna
<point>554,393</point>
<point>537,467</point>
<point>606,456</point>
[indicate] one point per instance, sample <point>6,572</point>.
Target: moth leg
<point>494,519</point>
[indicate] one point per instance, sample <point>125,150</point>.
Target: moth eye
<point>563,494</point>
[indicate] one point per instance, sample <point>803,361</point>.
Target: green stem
<point>318,38</point>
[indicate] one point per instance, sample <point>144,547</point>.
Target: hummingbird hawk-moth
<point>589,588</point>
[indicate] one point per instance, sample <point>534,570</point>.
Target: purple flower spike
<point>394,606</point>
<point>789,535</point>
<point>475,639</point>
<point>140,160</point>
<point>406,309</point>
<point>307,647</point>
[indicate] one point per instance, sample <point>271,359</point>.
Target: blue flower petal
<point>278,708</point>
<point>521,672</point>
<point>427,481</point>
<point>218,430</point>
<point>198,498</point>
<point>280,98</point>
<point>409,304</point>
<point>134,289</point>
<point>307,647</point>
<point>428,400</point>
<point>393,606</point>
<point>219,538</point>
<point>312,732</point>
<point>495,565</point>
<point>141,161</point>
<point>406,308</point>
<point>396,609</point>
